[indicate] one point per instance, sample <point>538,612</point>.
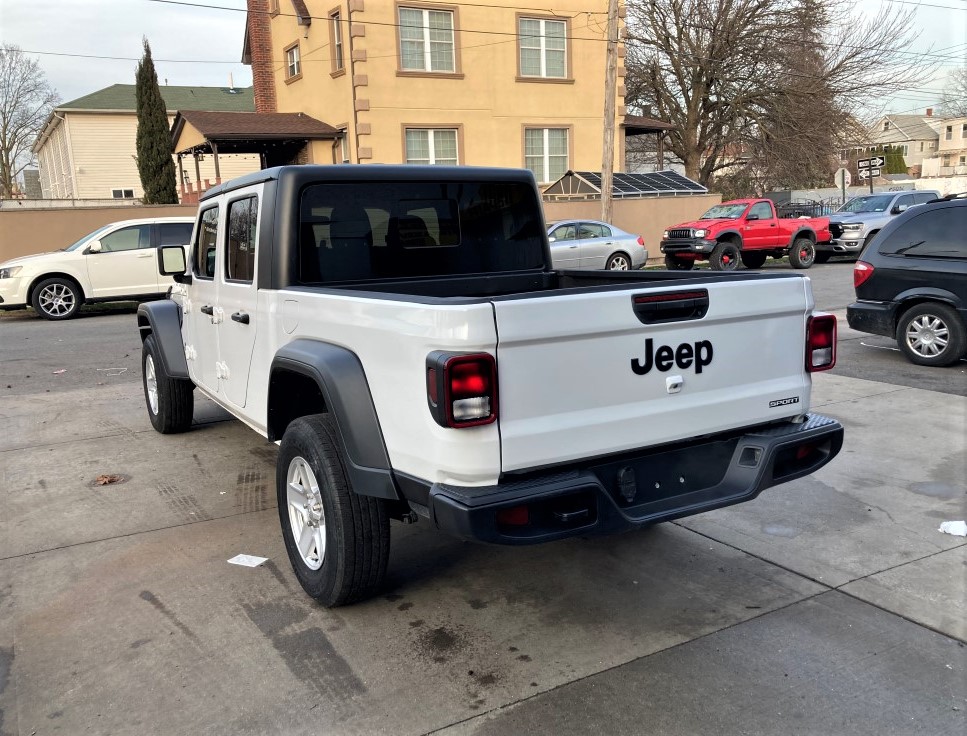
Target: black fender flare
<point>339,375</point>
<point>730,235</point>
<point>163,320</point>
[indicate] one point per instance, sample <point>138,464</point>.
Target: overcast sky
<point>210,41</point>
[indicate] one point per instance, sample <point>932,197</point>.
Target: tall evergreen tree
<point>155,167</point>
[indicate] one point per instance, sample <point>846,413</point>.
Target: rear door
<point>581,375</point>
<point>596,244</point>
<point>237,296</point>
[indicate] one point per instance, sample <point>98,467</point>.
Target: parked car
<point>746,230</point>
<point>591,244</point>
<point>911,283</point>
<point>115,262</point>
<point>854,224</point>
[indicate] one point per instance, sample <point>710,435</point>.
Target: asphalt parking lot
<point>829,605</point>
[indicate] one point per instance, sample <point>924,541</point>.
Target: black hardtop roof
<point>302,175</point>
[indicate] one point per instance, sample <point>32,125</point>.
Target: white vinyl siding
<point>431,146</point>
<point>543,48</point>
<point>546,152</point>
<point>426,40</point>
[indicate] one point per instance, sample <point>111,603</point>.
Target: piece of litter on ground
<point>222,493</point>
<point>108,479</point>
<point>248,560</point>
<point>57,373</point>
<point>113,371</point>
<point>957,528</point>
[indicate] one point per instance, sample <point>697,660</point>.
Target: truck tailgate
<point>577,378</point>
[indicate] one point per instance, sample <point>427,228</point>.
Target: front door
<point>127,264</point>
<point>565,251</point>
<point>761,232</point>
<point>200,333</point>
<point>237,298</point>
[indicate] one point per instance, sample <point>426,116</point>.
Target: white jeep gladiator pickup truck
<point>400,332</point>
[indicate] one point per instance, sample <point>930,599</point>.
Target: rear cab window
<point>373,230</point>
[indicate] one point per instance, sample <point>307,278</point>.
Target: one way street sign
<point>870,163</point>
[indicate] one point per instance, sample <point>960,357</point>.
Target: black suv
<point>911,282</point>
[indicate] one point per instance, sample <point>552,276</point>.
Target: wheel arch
<point>163,320</point>
<point>54,275</point>
<point>312,377</point>
<point>907,300</point>
<point>804,232</point>
<point>730,236</point>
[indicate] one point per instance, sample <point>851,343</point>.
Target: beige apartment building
<point>87,148</point>
<point>481,83</point>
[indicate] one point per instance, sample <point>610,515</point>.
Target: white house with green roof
<point>87,148</point>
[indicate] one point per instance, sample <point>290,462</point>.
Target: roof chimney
<point>259,38</point>
<point>929,112</point>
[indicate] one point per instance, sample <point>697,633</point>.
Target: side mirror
<point>551,239</point>
<point>899,208</point>
<point>94,247</point>
<point>171,262</point>
<point>749,218</point>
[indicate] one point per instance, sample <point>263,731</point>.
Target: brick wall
<point>260,46</point>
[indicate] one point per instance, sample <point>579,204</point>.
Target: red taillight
<point>467,385</point>
<point>641,241</point>
<point>861,273</point>
<point>514,516</point>
<point>820,343</point>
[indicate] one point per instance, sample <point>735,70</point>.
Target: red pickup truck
<point>746,230</point>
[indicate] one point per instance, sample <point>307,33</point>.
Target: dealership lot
<point>829,605</point>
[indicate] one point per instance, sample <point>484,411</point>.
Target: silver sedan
<point>590,244</point>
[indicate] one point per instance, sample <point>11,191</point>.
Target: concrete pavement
<point>828,605</point>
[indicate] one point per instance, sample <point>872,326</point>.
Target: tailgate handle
<point>670,306</point>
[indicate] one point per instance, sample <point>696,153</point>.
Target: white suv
<point>115,262</point>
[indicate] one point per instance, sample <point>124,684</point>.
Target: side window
<point>924,197</point>
<point>127,238</point>
<point>240,251</point>
<point>591,230</point>
<point>904,202</point>
<point>205,244</point>
<point>936,233</point>
<point>174,233</point>
<point>762,210</point>
<point>564,232</point>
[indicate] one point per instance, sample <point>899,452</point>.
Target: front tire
<point>803,253</point>
<point>57,298</point>
<point>932,334</point>
<point>725,257</point>
<point>337,540</point>
<point>678,264</point>
<point>618,262</point>
<point>169,400</point>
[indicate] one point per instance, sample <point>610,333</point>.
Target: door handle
<point>572,246</point>
<point>240,317</point>
<point>208,309</point>
<point>145,255</point>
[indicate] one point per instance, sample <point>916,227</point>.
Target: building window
<point>948,133</point>
<point>426,40</point>
<point>122,193</point>
<point>335,38</point>
<point>431,146</point>
<point>946,160</point>
<point>963,130</point>
<point>545,152</point>
<point>293,63</point>
<point>886,125</point>
<point>273,7</point>
<point>344,145</point>
<point>904,149</point>
<point>962,161</point>
<point>543,48</point>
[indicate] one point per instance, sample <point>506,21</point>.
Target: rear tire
<point>803,253</point>
<point>170,401</point>
<point>753,259</point>
<point>345,537</point>
<point>618,262</point>
<point>678,264</point>
<point>932,334</point>
<point>725,257</point>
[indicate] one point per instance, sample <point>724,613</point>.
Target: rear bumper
<point>636,489</point>
<point>876,318</point>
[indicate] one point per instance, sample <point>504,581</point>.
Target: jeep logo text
<point>686,354</point>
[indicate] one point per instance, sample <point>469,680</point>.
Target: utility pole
<point>610,84</point>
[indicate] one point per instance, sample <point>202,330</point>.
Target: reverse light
<point>461,389</point>
<point>861,273</point>
<point>820,343</point>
